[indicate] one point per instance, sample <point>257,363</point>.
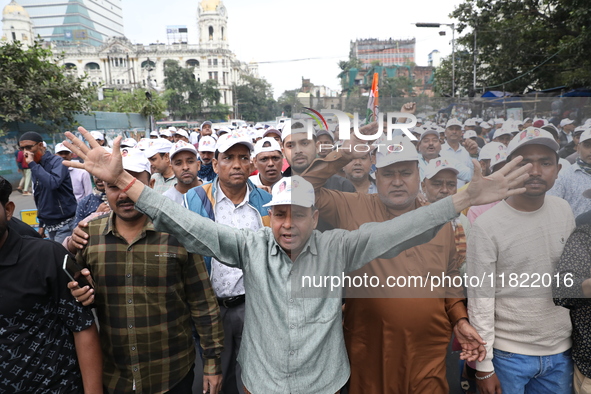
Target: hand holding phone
<point>74,271</point>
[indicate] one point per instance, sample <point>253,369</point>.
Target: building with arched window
<point>120,64</point>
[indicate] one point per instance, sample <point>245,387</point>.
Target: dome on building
<point>210,5</point>
<point>14,8</point>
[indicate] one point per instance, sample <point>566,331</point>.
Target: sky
<point>276,32</point>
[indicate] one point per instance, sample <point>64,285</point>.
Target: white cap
<point>172,129</point>
<point>500,157</point>
<point>97,135</point>
<point>501,131</point>
<point>228,140</point>
<point>159,145</point>
<point>207,144</point>
<point>398,150</point>
<point>453,122</point>
<point>566,121</point>
<point>154,133</point>
<point>182,132</point>
<point>135,160</point>
<point>293,190</point>
<point>470,134</point>
<point>182,146</point>
<point>272,147</point>
<point>470,122</point>
<point>489,150</point>
<point>272,131</point>
<point>166,133</point>
<point>437,165</point>
<point>430,131</point>
<point>61,148</point>
<point>531,136</point>
<point>223,130</point>
<point>143,143</point>
<point>584,137</point>
<point>485,125</point>
<point>128,142</point>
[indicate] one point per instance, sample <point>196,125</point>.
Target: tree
<point>288,102</point>
<point>132,102</point>
<point>528,44</point>
<point>254,99</point>
<point>400,86</point>
<point>33,88</point>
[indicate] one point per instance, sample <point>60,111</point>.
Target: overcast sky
<point>277,30</point>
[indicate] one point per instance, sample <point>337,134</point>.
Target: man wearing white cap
<point>181,135</point>
<point>504,313</point>
<point>81,183</point>
<point>154,135</point>
<point>99,137</point>
<point>383,322</point>
<point>567,127</point>
<point>455,149</point>
<point>206,129</point>
<point>485,129</point>
<point>300,350</point>
<point>158,153</point>
<point>206,152</point>
<point>573,181</point>
<point>231,199</point>
<point>267,159</point>
<point>167,134</point>
<point>503,136</point>
<point>440,180</point>
<point>150,293</point>
<point>185,165</point>
<point>429,148</point>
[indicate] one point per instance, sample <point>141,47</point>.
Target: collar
<point>109,227</point>
<point>9,253</point>
<point>46,158</point>
<point>446,146</point>
<point>219,194</point>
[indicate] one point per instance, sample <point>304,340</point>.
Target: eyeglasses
<point>27,147</point>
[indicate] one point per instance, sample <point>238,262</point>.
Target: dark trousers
<point>233,320</point>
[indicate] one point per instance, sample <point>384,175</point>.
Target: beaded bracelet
<point>484,377</point>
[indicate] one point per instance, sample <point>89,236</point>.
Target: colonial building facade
<point>120,64</point>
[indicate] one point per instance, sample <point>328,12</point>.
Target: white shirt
<point>461,155</point>
<point>227,281</point>
<point>175,195</point>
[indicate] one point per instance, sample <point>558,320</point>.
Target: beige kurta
<point>397,338</point>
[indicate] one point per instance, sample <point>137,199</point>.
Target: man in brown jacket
<point>396,336</point>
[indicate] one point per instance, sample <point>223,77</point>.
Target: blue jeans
<point>62,233</point>
<point>520,374</point>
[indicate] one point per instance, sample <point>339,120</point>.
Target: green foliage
<point>254,99</point>
<point>515,37</point>
<point>33,88</point>
<point>288,101</point>
<point>401,86</point>
<point>132,102</point>
<point>188,98</point>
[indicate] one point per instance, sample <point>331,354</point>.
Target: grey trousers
<point>233,319</point>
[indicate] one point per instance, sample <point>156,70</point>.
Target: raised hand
<point>97,161</point>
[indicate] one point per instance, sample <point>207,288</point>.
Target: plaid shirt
<point>146,293</point>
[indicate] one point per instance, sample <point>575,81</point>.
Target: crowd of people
<point>195,243</point>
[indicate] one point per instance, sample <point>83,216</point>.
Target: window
<point>92,66</point>
<point>210,33</point>
<point>209,62</point>
<point>215,62</point>
<point>192,63</point>
<point>223,38</point>
<point>148,64</point>
<point>13,36</point>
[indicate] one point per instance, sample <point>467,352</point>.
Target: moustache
<point>535,180</point>
<point>122,202</point>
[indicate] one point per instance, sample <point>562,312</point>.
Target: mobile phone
<point>73,270</point>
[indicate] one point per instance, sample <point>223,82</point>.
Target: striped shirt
<point>146,293</point>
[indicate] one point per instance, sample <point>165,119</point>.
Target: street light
<point>453,50</point>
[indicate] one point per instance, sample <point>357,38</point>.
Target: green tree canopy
<point>188,98</point>
<point>527,44</point>
<point>254,99</point>
<point>33,88</point>
<point>132,102</point>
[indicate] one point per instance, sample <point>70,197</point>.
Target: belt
<point>232,302</point>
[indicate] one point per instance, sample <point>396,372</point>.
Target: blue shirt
<point>570,185</point>
<point>461,155</point>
